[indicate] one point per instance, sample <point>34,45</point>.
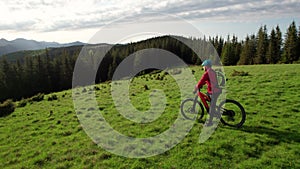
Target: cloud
<point>53,15</point>
<point>233,10</point>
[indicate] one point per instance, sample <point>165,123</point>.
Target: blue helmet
<point>207,63</point>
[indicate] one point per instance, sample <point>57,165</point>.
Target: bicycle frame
<point>204,99</point>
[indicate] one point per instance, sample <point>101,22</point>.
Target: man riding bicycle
<point>213,91</point>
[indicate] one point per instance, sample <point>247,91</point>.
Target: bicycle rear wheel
<point>190,109</point>
<point>233,113</point>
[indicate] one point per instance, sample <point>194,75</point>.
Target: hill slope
<point>47,134</point>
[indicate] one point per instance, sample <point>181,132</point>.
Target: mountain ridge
<point>20,44</point>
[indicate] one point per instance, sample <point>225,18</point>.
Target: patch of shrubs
<point>52,97</point>
<point>22,103</point>
<point>239,73</point>
<point>96,88</point>
<point>6,108</point>
<point>37,98</point>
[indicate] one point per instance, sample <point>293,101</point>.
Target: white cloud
<point>70,15</point>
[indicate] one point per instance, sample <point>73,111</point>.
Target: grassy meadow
<point>48,134</point>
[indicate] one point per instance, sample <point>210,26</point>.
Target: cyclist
<point>213,91</point>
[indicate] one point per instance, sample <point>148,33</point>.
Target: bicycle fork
<point>194,104</point>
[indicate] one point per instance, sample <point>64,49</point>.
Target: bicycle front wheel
<point>233,113</point>
<point>190,108</point>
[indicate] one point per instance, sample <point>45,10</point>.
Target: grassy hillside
<point>47,134</point>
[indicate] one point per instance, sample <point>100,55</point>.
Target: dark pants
<point>213,112</point>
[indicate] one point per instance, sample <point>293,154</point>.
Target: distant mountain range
<point>24,44</point>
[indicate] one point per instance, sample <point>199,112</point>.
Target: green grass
<point>47,134</point>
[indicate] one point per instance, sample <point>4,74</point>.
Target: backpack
<point>220,78</point>
<point>220,81</point>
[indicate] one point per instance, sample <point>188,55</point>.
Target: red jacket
<point>209,78</point>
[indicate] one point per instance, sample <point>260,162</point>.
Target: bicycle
<point>233,115</point>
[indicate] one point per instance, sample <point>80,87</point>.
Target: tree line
<point>36,74</point>
<point>261,48</point>
<point>53,69</point>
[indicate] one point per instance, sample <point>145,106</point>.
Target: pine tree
<point>48,71</point>
<point>231,51</point>
<point>19,79</point>
<point>218,43</point>
<point>112,67</point>
<point>290,53</point>
<point>262,44</point>
<point>236,50</point>
<point>10,80</point>
<point>271,52</point>
<point>56,76</point>
<point>40,74</point>
<point>28,76</point>
<point>245,53</point>
<point>2,85</point>
<point>3,79</point>
<point>220,46</point>
<point>226,56</point>
<point>278,44</point>
<point>248,51</point>
<point>298,47</point>
<point>66,70</point>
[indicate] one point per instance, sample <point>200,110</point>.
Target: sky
<point>77,20</point>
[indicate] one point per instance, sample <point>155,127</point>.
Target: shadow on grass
<point>280,136</point>
<point>4,113</point>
